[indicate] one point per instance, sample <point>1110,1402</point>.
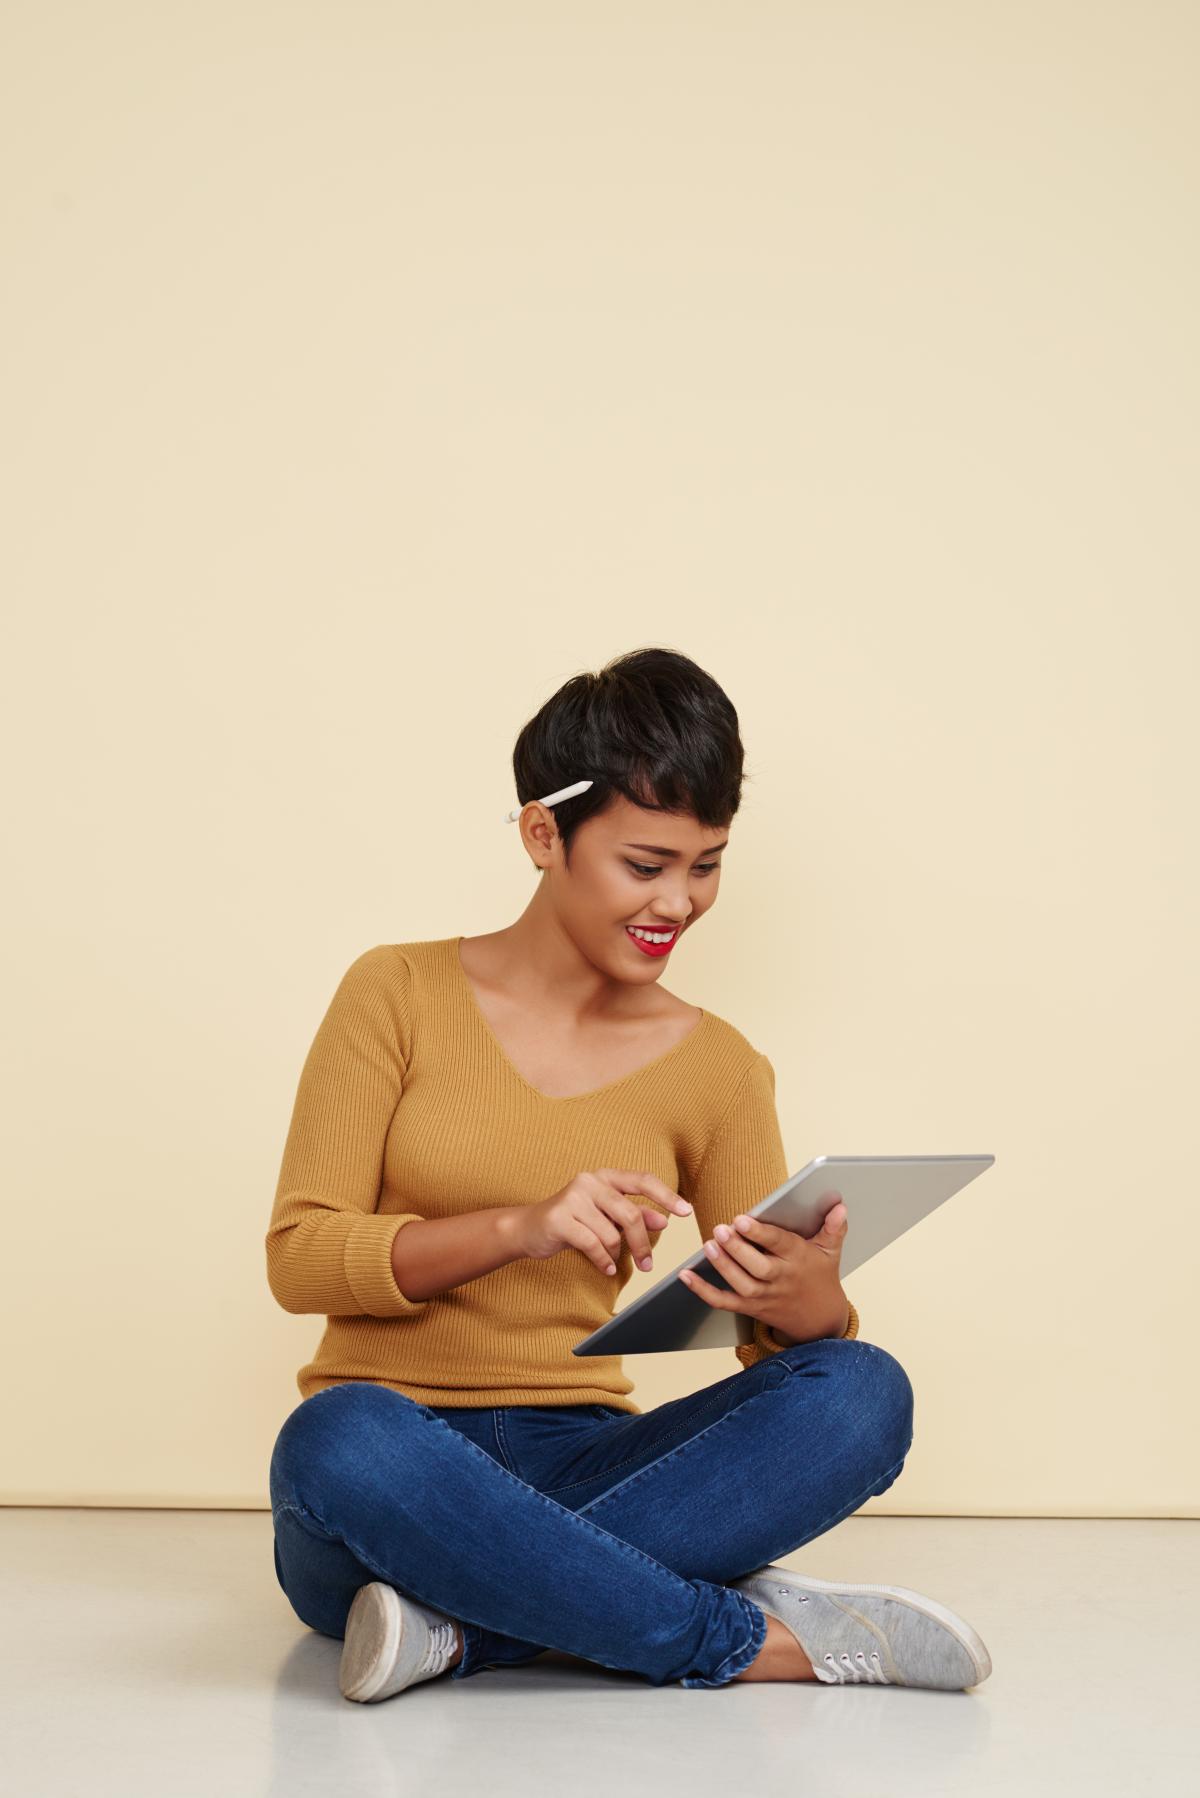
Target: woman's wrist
<point>510,1229</point>
<point>838,1329</point>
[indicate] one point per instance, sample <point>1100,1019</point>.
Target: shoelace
<point>849,1673</point>
<point>856,1671</point>
<point>443,1639</point>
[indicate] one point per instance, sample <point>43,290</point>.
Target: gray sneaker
<point>870,1635</point>
<point>391,1642</point>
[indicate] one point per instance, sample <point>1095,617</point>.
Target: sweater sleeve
<point>743,1163</point>
<point>328,1249</point>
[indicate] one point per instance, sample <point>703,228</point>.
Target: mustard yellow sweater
<point>409,1108</point>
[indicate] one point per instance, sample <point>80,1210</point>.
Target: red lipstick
<point>652,948</point>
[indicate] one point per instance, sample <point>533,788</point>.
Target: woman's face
<point>629,867</point>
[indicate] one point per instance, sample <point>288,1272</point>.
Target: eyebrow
<point>671,854</point>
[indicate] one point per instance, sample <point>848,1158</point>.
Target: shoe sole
<point>374,1629</point>
<point>928,1607</point>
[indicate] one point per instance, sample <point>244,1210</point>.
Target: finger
<point>740,1249</point>
<point>581,1237</point>
<point>632,1220</point>
<point>606,1205</point>
<point>627,1180</point>
<point>767,1236</point>
<point>731,1271</point>
<point>831,1237</point>
<point>704,1289</point>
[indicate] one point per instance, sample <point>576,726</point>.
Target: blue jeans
<point>598,1532</point>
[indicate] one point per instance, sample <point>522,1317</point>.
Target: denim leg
<point>727,1479</point>
<point>363,1478</point>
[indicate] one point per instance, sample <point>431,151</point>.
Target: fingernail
<point>646,1263</point>
<point>683,1205</point>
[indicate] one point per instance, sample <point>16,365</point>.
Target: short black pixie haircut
<point>652,727</point>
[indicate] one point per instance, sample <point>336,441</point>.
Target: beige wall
<point>371,369</point>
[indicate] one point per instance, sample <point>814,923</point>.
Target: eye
<point>648,873</point>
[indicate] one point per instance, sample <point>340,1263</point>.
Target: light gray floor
<point>152,1652</point>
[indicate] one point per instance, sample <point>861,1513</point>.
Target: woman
<point>488,1131</point>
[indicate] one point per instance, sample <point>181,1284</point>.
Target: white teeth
<point>650,936</point>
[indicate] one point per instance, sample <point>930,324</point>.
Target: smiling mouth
<point>649,948</point>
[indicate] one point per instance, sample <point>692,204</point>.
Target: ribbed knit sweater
<point>408,1108</point>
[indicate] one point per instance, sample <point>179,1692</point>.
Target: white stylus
<point>580,786</point>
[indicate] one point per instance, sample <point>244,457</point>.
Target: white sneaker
<point>391,1642</point>
<point>870,1635</point>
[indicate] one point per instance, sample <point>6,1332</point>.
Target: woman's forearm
<point>434,1254</point>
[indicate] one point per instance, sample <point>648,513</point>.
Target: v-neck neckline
<point>464,981</point>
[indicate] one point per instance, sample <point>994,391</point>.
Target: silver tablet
<point>885,1195</point>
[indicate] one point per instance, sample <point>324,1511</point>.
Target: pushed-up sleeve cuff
<point>368,1265</point>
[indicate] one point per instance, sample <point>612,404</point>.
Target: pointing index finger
<point>658,1190</point>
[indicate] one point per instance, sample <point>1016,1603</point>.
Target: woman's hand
<point>790,1282</point>
<point>591,1212</point>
